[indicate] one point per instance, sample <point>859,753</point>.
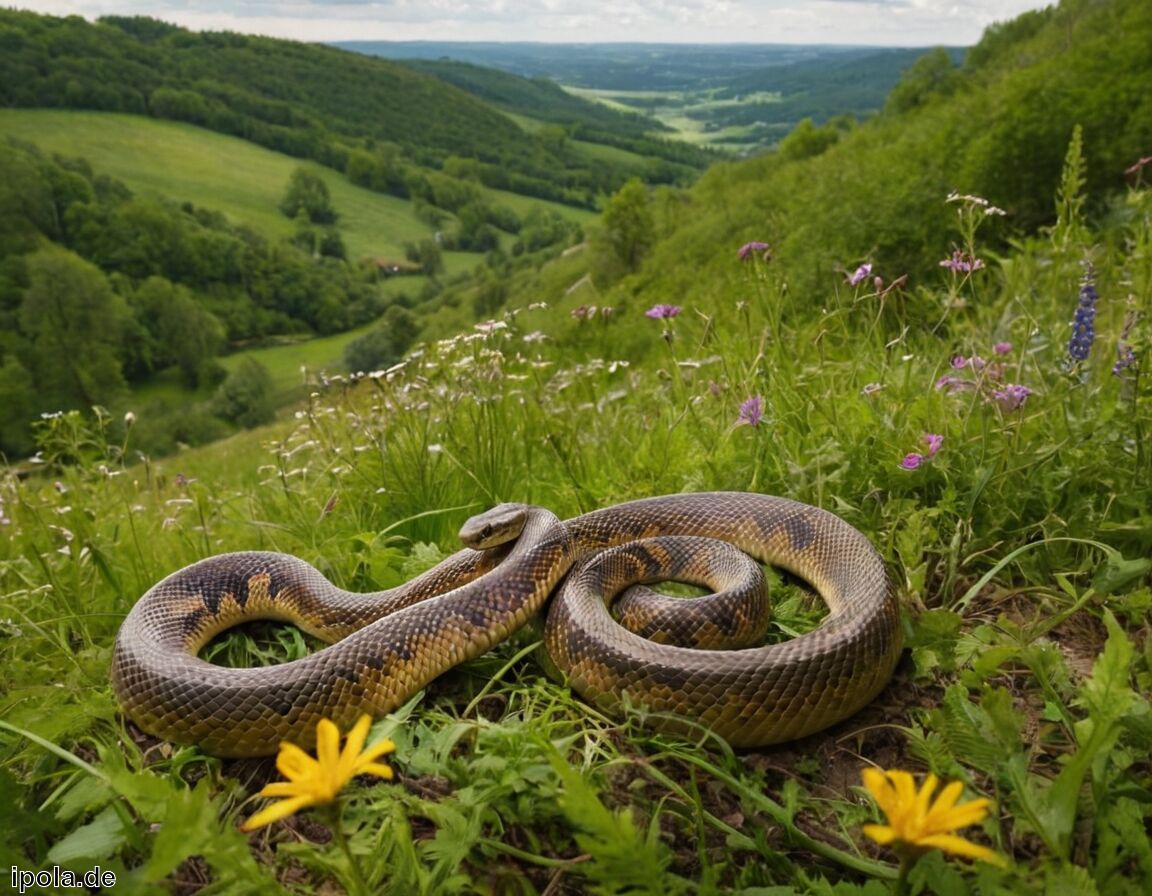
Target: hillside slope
<point>352,112</point>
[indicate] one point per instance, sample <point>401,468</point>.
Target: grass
<point>674,108</point>
<point>1019,550</point>
<point>244,181</point>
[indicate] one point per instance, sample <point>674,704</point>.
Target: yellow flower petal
<point>281,789</point>
<point>376,768</point>
<point>881,833</point>
<point>293,763</point>
<point>961,847</point>
<point>275,812</point>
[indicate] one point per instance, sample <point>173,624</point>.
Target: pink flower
<point>1011,397</point>
<point>933,441</point>
<point>912,461</point>
<point>659,312</point>
<point>745,251</point>
<point>1002,348</point>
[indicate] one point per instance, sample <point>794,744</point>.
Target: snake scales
<point>392,643</point>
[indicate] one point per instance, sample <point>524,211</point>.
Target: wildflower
<point>662,312</point>
<point>1084,323</point>
<point>917,823</point>
<point>314,782</point>
<point>954,384</point>
<point>912,461</point>
<point>871,389</point>
<point>1011,396</point>
<point>751,411</point>
<point>915,460</point>
<point>745,251</point>
<point>962,263</point>
<point>1002,348</point>
<point>858,276</point>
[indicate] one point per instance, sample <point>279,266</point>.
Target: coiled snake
<point>390,644</point>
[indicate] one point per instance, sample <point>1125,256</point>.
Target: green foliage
<point>385,343</point>
<point>307,194</point>
<point>245,396</point>
<point>625,234</point>
<point>932,75</point>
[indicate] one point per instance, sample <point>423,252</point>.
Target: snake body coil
<point>392,643</point>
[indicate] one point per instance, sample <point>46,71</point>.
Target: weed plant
<point>1004,480</point>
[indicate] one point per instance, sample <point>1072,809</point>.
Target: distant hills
<point>344,110</point>
<point>755,92</point>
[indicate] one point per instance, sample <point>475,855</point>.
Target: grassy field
<point>245,181</point>
<point>673,108</point>
<point>1001,471</point>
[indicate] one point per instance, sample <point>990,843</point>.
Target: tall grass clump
<point>985,427</point>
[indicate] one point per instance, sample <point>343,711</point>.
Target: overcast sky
<point>884,22</point>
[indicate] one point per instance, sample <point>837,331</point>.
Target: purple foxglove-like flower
<point>1084,323</point>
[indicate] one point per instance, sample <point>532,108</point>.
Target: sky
<point>876,22</point>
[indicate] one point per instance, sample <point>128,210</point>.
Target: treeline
<point>376,120</point>
<point>100,288</point>
<point>819,90</point>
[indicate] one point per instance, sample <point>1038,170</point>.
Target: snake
<point>520,562</point>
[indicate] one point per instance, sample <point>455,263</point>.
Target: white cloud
<point>890,22</point>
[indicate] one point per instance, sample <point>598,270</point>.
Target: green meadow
<point>244,181</point>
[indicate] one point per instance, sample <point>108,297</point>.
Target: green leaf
<point>97,839</point>
<point>1118,572</point>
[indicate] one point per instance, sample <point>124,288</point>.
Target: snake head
<point>500,525</point>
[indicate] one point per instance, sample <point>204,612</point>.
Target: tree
<point>245,396</point>
<point>385,343</point>
<point>626,233</point>
<point>75,323</point>
<point>183,332</point>
<point>307,192</point>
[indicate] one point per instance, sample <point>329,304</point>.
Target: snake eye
<point>486,533</point>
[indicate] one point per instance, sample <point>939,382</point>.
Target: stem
<point>903,888</point>
<point>358,886</point>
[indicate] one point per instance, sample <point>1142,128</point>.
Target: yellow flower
<point>313,782</point>
<point>916,823</point>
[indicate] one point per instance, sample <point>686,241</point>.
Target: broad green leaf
<point>97,839</point>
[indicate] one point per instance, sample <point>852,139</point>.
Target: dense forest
<point>378,121</point>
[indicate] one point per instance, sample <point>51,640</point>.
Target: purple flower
<point>961,262</point>
<point>1084,323</point>
<point>857,276</point>
<point>912,461</point>
<point>933,441</point>
<point>1011,397</point>
<point>751,411</point>
<point>662,312</point>
<point>745,251</point>
<point>1002,348</point>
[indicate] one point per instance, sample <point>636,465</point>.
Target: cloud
<point>889,22</point>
